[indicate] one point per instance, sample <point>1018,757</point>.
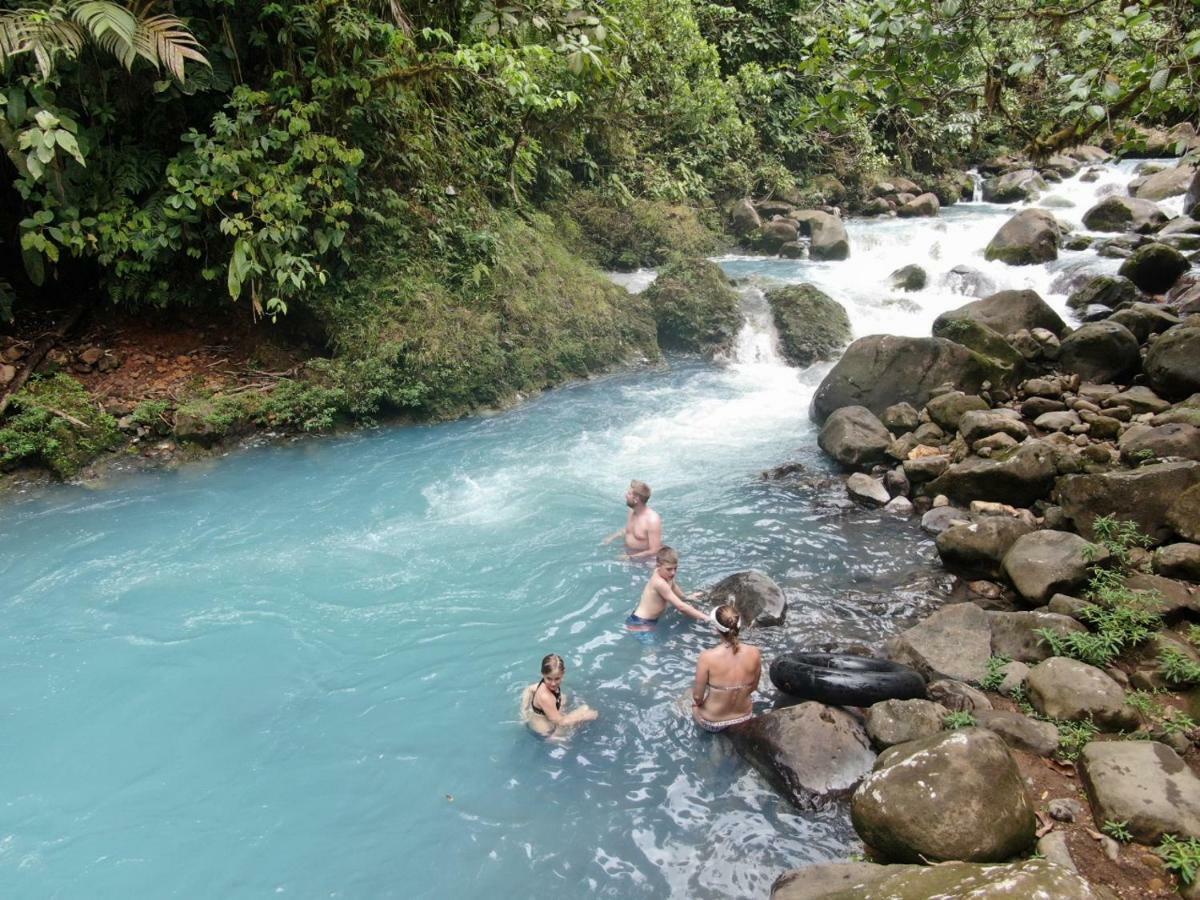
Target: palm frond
<point>164,41</point>
<point>399,17</point>
<point>40,32</point>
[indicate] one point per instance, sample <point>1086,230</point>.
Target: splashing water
<point>295,671</point>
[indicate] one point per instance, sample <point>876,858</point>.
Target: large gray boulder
<point>1100,352</point>
<point>1180,560</point>
<point>1020,478</point>
<point>954,796</point>
<point>810,753</point>
<point>1142,496</point>
<point>1030,878</point>
<point>984,341</point>
<point>880,370</point>
<point>1154,267</point>
<point>1006,312</point>
<point>1115,213</point>
<point>948,409</point>
<point>828,235</point>
<point>979,424</point>
<point>1104,290</point>
<point>1144,784</point>
<point>812,326</point>
<point>891,722</point>
<point>1166,183</point>
<point>1013,187</point>
<point>1028,238</point>
<point>1044,563</point>
<point>758,599</point>
<point>1014,634</point>
<point>1145,319</point>
<point>978,549</point>
<point>955,642</point>
<point>1140,443</point>
<point>1173,362</point>
<point>922,205</point>
<point>776,233</point>
<point>744,219</point>
<point>1183,514</point>
<point>854,437</point>
<point>1063,688</point>
<point>1020,732</point>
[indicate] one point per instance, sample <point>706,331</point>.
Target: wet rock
<point>825,881</point>
<point>940,518</point>
<point>968,281</point>
<point>744,219</point>
<point>1143,783</point>
<point>1170,182</point>
<point>757,598</point>
<point>1018,479</point>
<point>900,418</point>
<point>1106,290</point>
<point>957,696</point>
<point>908,278</point>
<point>1028,238</point>
<point>1139,444</point>
<point>1154,267</point>
<point>922,205</point>
<point>793,250</point>
<point>947,409</point>
<point>695,308</point>
<point>810,753</point>
<point>1116,213</point>
<point>1100,351</point>
<point>867,491</point>
<point>955,642</point>
<point>978,548</point>
<point>854,437</point>
<point>1063,688</point>
<point>901,507</point>
<point>953,796</point>
<point>1045,563</point>
<point>1007,312</point>
<point>880,370</point>
<point>1020,732</point>
<point>892,722</point>
<point>1173,362</point>
<point>812,326</point>
<point>1142,495</point>
<point>829,239</point>
<point>1178,561</point>
<point>1013,187</point>
<point>1144,319</point>
<point>925,468</point>
<point>1014,634</point>
<point>776,233</point>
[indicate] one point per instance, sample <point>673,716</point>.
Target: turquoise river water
<point>295,671</point>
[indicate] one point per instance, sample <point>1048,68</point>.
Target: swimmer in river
<point>643,527</point>
<point>726,677</point>
<point>660,590</point>
<point>542,703</point>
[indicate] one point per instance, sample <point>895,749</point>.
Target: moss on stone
<point>638,233</point>
<point>55,423</point>
<point>979,337</point>
<point>694,307</point>
<point>811,325</point>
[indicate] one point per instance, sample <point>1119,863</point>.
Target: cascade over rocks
<point>954,796</point>
<point>1115,213</point>
<point>1173,362</point>
<point>1143,783</point>
<point>1019,479</point>
<point>1063,688</point>
<point>1006,312</point>
<point>908,278</point>
<point>812,326</point>
<point>1142,495</point>
<point>854,437</point>
<point>757,598</point>
<point>880,370</point>
<point>955,642</point>
<point>810,753</point>
<point>1044,563</point>
<point>1100,352</point>
<point>1029,237</point>
<point>1034,878</point>
<point>1154,267</point>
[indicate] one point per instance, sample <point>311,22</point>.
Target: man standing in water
<point>643,528</point>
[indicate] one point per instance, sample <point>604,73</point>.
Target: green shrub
<point>1073,737</point>
<point>958,719</point>
<point>1117,830</point>
<point>1177,668</point>
<point>1182,856</point>
<point>636,233</point>
<point>994,677</point>
<point>54,422</point>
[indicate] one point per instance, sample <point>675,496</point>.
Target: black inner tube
<point>845,680</point>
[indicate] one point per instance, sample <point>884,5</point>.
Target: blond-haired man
<point>643,527</point>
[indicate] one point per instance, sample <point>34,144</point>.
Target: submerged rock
<point>812,326</point>
<point>758,599</point>
<point>810,753</point>
<point>854,437</point>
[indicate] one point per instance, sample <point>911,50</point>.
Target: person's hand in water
<point>696,595</point>
<point>584,713</point>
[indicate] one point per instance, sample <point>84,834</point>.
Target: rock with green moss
<point>206,420</point>
<point>1029,237</point>
<point>812,326</point>
<point>53,422</point>
<point>979,337</point>
<point>639,233</point>
<point>694,307</point>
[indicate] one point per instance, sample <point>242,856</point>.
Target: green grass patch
<point>55,423</point>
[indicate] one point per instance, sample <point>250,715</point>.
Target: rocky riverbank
<point>1058,468</point>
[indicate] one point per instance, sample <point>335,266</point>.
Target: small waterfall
<point>757,342</point>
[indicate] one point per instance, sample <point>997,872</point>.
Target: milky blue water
<point>295,671</point>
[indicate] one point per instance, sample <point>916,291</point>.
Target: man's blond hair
<point>641,490</point>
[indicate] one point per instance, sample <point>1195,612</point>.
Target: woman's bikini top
<point>730,687</point>
<point>557,698</point>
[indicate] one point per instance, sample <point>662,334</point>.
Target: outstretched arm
<point>612,537</point>
<point>676,599</point>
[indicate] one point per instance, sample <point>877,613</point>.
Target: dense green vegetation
<point>411,180</point>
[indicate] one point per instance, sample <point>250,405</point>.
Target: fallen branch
<point>74,421</point>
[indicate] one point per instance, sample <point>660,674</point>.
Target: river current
<point>295,670</point>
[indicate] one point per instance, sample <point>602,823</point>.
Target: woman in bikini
<point>541,703</point>
<point>726,677</point>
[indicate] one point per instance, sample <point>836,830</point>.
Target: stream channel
<point>295,670</point>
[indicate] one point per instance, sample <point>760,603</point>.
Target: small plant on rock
<point>1121,618</point>
<point>1162,717</point>
<point>958,719</point>
<point>1193,635</point>
<point>1119,537</point>
<point>1073,737</point>
<point>995,676</point>
<point>1117,830</point>
<point>1177,667</point>
<point>1182,856</point>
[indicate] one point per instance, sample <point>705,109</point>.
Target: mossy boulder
<point>979,337</point>
<point>694,307</point>
<point>1105,290</point>
<point>638,233</point>
<point>1029,237</point>
<point>53,422</point>
<point>1154,267</point>
<point>812,326</point>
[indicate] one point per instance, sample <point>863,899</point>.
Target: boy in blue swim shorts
<point>661,590</point>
